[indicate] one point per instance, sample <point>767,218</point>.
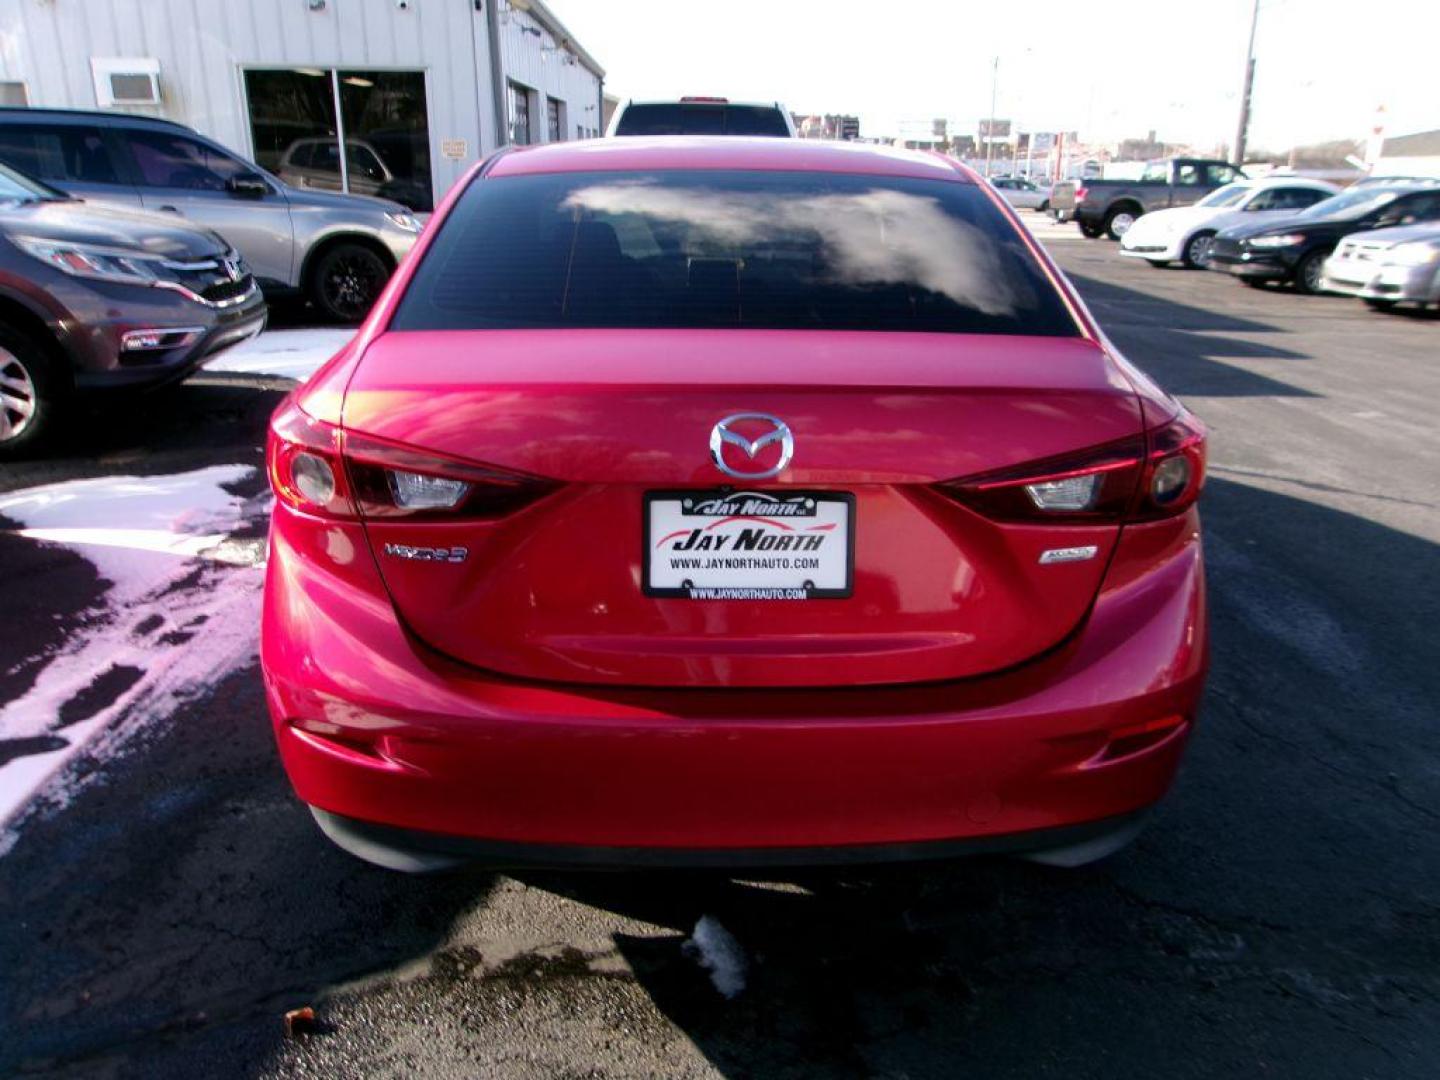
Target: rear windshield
<point>702,120</point>
<point>771,250</point>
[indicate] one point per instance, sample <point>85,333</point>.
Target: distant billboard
<point>1042,142</point>
<point>994,129</point>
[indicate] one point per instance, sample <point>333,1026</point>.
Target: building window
<point>519,115</point>
<point>552,118</point>
<point>13,92</point>
<point>383,120</point>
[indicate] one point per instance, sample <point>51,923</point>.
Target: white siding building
<point>417,89</point>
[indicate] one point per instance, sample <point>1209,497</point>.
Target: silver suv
<point>338,250</point>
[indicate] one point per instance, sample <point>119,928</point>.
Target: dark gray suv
<point>338,250</point>
<point>95,298</point>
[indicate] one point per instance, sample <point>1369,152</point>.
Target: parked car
<point>336,249</point>
<point>1022,194</point>
<point>702,116</point>
<point>1185,233</point>
<point>603,550</point>
<point>94,299</point>
<point>1388,266</point>
<point>1110,207</point>
<point>1295,249</point>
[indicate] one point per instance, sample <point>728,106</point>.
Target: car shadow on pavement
<point>166,920</point>
<point>1281,914</point>
<point>1190,350</point>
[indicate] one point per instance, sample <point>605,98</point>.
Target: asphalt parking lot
<point>166,901</point>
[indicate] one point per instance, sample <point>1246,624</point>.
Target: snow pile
<point>289,354</point>
<point>181,613</point>
<point>717,951</point>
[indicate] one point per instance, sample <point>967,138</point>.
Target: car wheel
<point>1044,207</point>
<point>1309,273</point>
<point>1197,250</point>
<point>1090,232</point>
<point>1118,222</point>
<point>346,281</point>
<point>29,394</point>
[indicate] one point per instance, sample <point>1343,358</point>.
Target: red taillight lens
<point>1174,469</point>
<point>302,456</point>
<point>1135,479</point>
<point>316,468</point>
<point>1080,193</point>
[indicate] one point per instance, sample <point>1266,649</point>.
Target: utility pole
<point>990,132</point>
<point>1237,157</point>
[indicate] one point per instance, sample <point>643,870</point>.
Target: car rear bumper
<point>374,728</point>
<point>415,849</point>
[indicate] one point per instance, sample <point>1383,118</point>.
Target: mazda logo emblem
<point>778,432</point>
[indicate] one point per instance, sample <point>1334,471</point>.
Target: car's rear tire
<point>1309,271</point>
<point>1090,232</point>
<point>346,281</point>
<point>31,392</point>
<point>1044,207</point>
<point>1118,221</point>
<point>1196,255</point>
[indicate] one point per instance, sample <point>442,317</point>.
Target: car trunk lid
<point>558,590</point>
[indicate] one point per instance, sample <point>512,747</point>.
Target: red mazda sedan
<point>731,502</point>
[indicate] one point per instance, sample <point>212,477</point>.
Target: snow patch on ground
<point>289,354</point>
<point>182,610</point>
<point>717,951</point>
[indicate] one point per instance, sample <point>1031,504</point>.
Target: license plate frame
<point>700,500</point>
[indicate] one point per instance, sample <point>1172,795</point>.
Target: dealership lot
<point>167,901</point>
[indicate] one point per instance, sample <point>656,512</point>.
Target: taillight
<point>396,482</point>
<point>1080,193</point>
<point>319,469</point>
<point>1174,469</point>
<point>302,456</point>
<point>1141,478</point>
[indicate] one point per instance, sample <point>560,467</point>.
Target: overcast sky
<point>1110,68</point>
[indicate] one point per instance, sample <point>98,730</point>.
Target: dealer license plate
<point>749,545</point>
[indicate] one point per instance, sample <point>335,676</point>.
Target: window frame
<point>517,93</point>
<point>333,73</point>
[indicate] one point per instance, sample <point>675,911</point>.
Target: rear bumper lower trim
<point>371,840</point>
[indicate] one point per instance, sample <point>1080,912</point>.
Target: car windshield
<point>742,249</point>
<point>15,186</point>
<point>1228,195</point>
<point>697,119</point>
<point>1352,204</point>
